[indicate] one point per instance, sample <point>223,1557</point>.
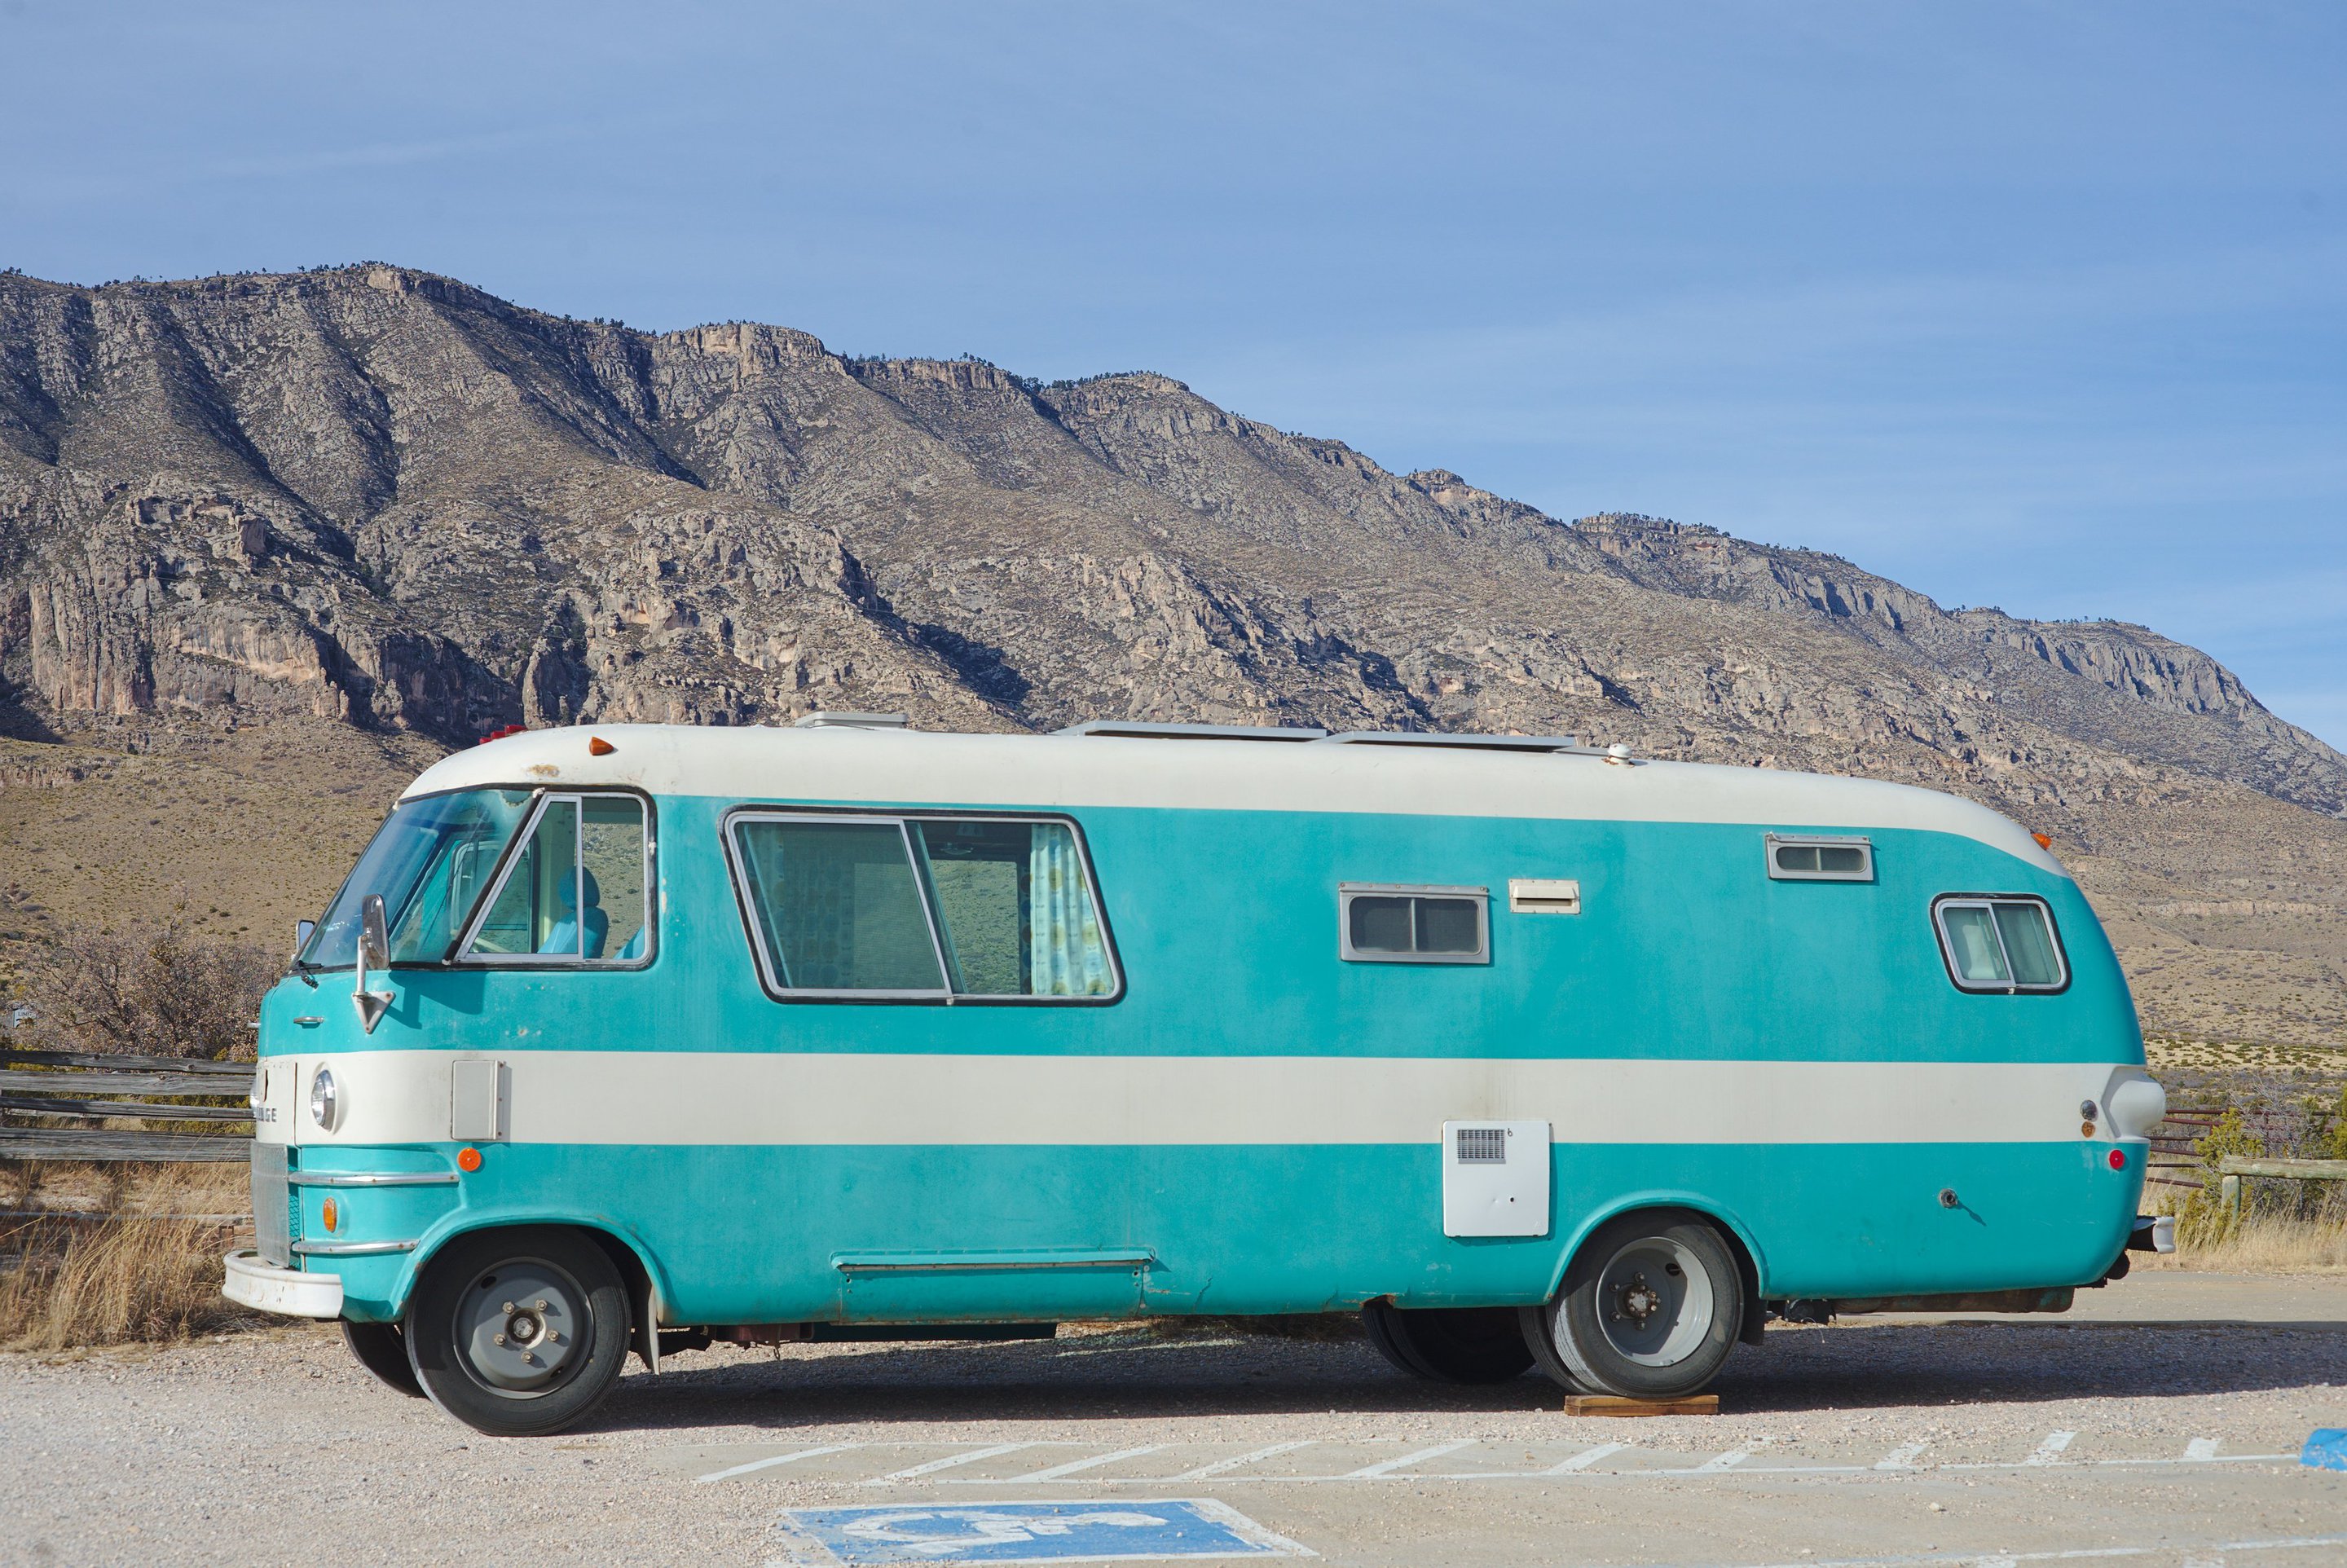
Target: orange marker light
<point>469,1158</point>
<point>2044,840</point>
<point>333,1215</point>
<point>597,747</point>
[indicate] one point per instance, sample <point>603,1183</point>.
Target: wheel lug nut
<point>542,1304</point>
<point>500,1340</point>
<point>506,1308</point>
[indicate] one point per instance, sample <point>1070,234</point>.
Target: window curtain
<point>1065,945</point>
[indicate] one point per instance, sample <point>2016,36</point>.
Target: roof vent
<point>822,720</point>
<point>1459,742</point>
<point>1136,729</point>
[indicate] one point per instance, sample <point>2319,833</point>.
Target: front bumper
<point>288,1292</point>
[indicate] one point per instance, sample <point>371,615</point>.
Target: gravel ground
<point>273,1447</point>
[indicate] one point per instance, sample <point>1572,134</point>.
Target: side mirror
<point>374,952</point>
<point>374,934</point>
<point>303,931</point>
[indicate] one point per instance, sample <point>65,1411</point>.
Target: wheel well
<point>624,1257</point>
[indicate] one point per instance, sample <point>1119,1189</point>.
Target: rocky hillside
<point>382,499</point>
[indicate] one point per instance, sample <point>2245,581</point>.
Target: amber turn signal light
<point>469,1158</point>
<point>597,747</point>
<point>2044,840</point>
<point>332,1215</point>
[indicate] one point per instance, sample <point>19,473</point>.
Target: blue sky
<point>2036,305</point>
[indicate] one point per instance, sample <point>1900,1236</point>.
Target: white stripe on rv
<point>877,1098</point>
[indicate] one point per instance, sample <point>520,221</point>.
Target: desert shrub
<point>149,990</point>
<point>2203,1219</point>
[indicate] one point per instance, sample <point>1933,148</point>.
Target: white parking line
<point>1906,1460</point>
<point>1150,1345</point>
<point>1585,1459</point>
<point>2050,1451</point>
<point>771,1463</point>
<point>2200,1447</point>
<point>2009,1559</point>
<point>1371,1472</point>
<point>949,1462</point>
<point>1072,1466</point>
<point>1223,1466</point>
<point>1729,1459</point>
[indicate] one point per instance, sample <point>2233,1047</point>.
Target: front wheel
<point>518,1333</point>
<point>1449,1344</point>
<point>1650,1309</point>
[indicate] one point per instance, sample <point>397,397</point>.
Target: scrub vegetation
<point>149,988</point>
<point>111,1257</point>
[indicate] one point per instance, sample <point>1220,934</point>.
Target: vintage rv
<point>620,1036</point>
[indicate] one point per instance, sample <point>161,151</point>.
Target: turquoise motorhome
<point>622,1038</point>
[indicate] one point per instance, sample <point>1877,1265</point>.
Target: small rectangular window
<point>922,909</point>
<point>1378,923</point>
<point>2004,945</point>
<point>1812,857</point>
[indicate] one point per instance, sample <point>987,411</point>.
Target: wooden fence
<point>69,1086</point>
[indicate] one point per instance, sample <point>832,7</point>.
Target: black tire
<point>1650,1309</point>
<point>519,1333</point>
<point>381,1349</point>
<point>1449,1344</point>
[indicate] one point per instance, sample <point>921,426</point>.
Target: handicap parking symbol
<point>1156,1531</point>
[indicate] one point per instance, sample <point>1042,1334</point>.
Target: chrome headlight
<point>325,1103</point>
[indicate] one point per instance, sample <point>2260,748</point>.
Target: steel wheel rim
<point>1654,1302</point>
<point>521,1328</point>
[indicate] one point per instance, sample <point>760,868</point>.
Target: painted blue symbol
<point>1156,1531</point>
<point>2326,1449</point>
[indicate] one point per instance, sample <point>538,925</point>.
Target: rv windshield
<point>430,861</point>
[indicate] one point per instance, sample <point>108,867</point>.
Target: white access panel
<point>477,1094</point>
<point>1495,1178</point>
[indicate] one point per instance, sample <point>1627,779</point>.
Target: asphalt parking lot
<point>2151,1436</point>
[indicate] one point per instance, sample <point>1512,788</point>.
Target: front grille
<point>272,1204</point>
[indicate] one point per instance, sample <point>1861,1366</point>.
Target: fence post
<point>2230,1197</point>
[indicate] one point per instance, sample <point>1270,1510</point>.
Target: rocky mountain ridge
<point>382,496</point>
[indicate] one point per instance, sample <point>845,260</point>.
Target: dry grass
<point>2258,1244</point>
<point>151,1270</point>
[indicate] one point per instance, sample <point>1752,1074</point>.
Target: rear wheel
<point>1449,1344</point>
<point>1650,1309</point>
<point>518,1333</point>
<point>381,1349</point>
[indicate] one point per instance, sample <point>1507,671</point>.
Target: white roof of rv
<point>907,767</point>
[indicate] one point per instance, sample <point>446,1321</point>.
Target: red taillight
<point>2118,1159</point>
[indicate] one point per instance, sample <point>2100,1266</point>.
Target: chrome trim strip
<point>969,1261</point>
<point>372,1178</point>
<point>351,1248</point>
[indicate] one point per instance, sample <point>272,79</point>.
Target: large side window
<point>921,908</point>
<point>1015,910</point>
<point>575,890</point>
<point>2003,945</point>
<point>839,906</point>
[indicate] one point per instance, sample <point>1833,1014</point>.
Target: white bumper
<point>288,1292</point>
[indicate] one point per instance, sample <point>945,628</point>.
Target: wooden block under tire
<point>1616,1404</point>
